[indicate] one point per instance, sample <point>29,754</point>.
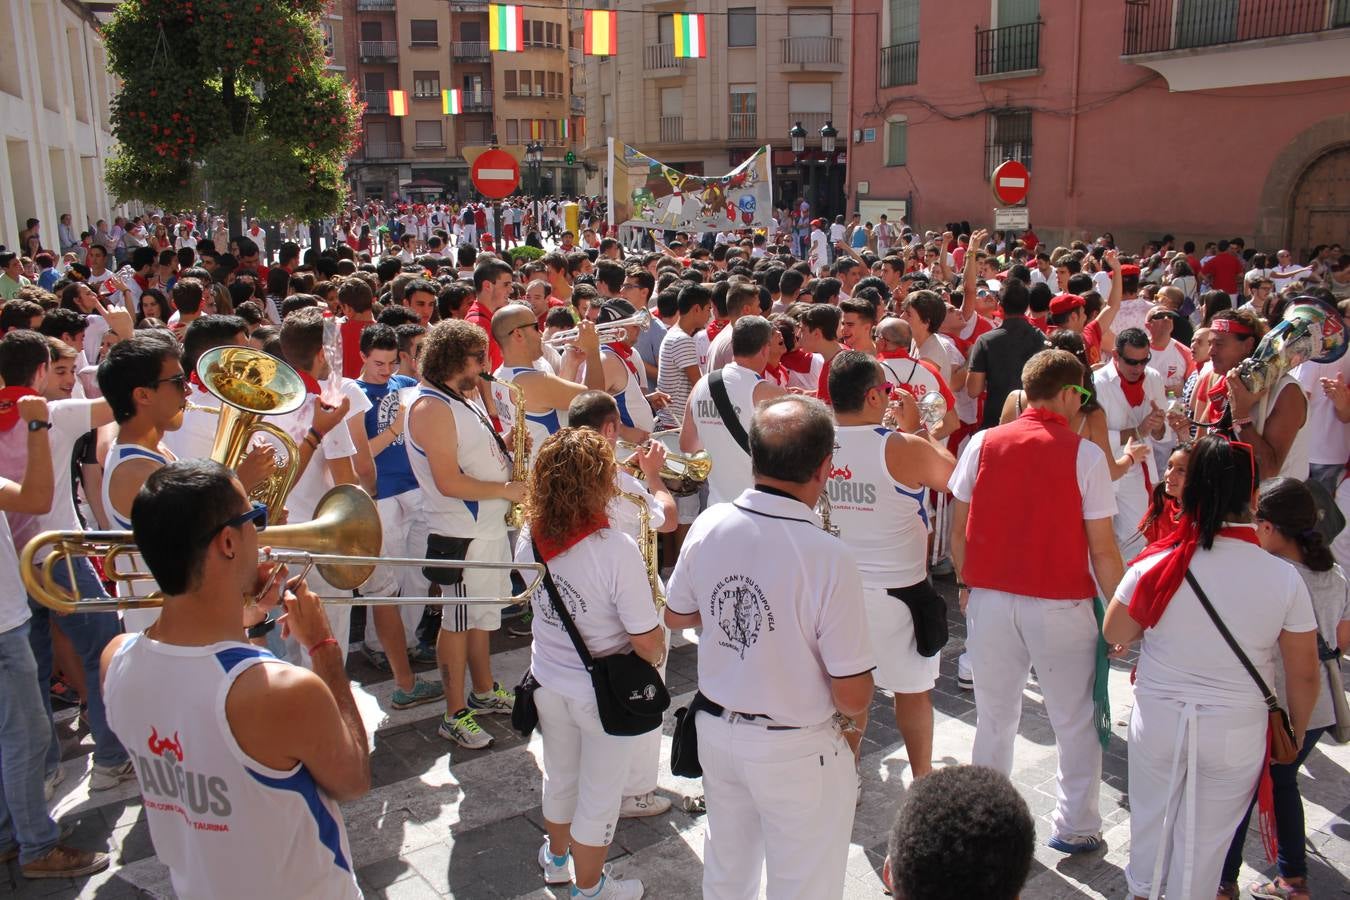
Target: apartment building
<point>55,107</point>
<point>770,65</point>
<point>1201,118</point>
<point>426,46</point>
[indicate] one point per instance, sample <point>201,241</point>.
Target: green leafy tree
<point>228,101</point>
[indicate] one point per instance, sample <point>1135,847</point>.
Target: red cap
<point>1065,302</point>
<point>1129,270</point>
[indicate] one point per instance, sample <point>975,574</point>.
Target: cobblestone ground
<point>441,821</point>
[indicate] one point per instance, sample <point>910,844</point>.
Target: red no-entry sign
<point>1010,182</point>
<point>495,173</point>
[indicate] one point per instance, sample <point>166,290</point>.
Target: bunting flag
<point>398,103</point>
<point>506,27</point>
<point>602,32</point>
<point>536,129</point>
<point>452,102</point>
<point>564,129</point>
<point>691,35</point>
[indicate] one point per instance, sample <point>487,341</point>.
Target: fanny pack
<point>440,546</point>
<point>684,759</point>
<point>929,611</point>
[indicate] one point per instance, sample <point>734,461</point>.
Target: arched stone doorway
<point>1309,160</point>
<point>1319,208</point>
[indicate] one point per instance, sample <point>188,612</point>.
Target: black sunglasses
<point>1135,362</point>
<point>257,514</point>
<point>179,381</point>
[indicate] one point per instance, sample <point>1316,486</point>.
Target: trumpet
<point>608,332</point>
<point>343,542</point>
<point>682,472</point>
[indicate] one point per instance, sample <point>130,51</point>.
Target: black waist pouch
<point>929,612</point>
<point>441,547</point>
<point>684,743</point>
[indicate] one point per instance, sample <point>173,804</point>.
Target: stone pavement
<point>441,821</point>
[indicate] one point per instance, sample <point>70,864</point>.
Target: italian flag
<point>506,27</point>
<point>691,35</point>
<point>452,103</point>
<point>602,32</point>
<point>398,103</point>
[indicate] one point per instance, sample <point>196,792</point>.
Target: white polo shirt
<point>779,623</point>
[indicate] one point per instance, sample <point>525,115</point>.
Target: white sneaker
<point>648,804</point>
<point>611,888</point>
<point>464,730</point>
<point>104,778</point>
<point>553,873</point>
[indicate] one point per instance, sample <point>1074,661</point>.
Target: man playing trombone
<point>624,375</point>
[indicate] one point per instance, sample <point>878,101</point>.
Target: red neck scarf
<point>548,549</point>
<point>1044,416</point>
<point>714,327</point>
<point>1133,391</point>
<point>9,405</point>
<point>196,382</point>
<point>796,360</point>
<point>777,374</point>
<point>625,353</point>
<point>311,383</point>
<point>1158,585</point>
<point>893,354</point>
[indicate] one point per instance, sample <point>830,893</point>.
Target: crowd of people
<point>1065,432</point>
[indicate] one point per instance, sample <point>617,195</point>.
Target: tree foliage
<point>228,100</point>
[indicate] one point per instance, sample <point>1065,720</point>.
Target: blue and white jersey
<point>393,473</point>
<point>479,457</point>
<point>118,454</point>
<point>539,425</point>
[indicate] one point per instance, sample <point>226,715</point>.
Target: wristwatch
<point>35,425</point>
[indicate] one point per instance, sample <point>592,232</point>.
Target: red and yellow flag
<point>398,103</point>
<point>602,32</point>
<point>536,129</point>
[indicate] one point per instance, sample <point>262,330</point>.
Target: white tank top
<point>539,425</point>
<point>118,454</point>
<point>731,465</point>
<point>883,521</point>
<point>225,825</point>
<point>479,457</point>
<point>634,410</point>
<point>1296,460</point>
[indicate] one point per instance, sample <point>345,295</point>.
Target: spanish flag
<point>691,35</point>
<point>536,129</point>
<point>506,27</point>
<point>398,103</point>
<point>602,32</point>
<point>452,103</point>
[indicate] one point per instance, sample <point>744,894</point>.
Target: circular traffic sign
<point>1010,182</point>
<point>495,173</point>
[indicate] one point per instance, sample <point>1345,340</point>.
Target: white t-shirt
<point>719,351</point>
<point>602,581</point>
<point>731,473</point>
<point>1101,283</point>
<point>336,444</point>
<point>194,438</point>
<point>623,513</point>
<point>1328,436</point>
<point>70,419</point>
<point>1094,478</point>
<point>881,519</point>
<point>1132,313</point>
<point>13,595</point>
<point>776,625</point>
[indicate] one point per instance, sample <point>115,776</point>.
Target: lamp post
<point>797,138</point>
<point>828,134</point>
<point>534,157</point>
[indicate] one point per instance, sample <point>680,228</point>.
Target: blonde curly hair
<point>572,482</point>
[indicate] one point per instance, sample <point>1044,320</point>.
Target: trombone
<point>608,332</point>
<point>343,542</point>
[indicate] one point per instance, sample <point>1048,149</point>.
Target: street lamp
<point>828,133</point>
<point>797,137</point>
<point>534,157</point>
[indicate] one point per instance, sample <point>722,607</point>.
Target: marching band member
<point>742,388</point>
<point>623,376</point>
<point>877,485</point>
<point>784,653</point>
<point>194,438</point>
<point>463,468</point>
<point>1038,615</point>
<point>242,758</point>
<point>599,574</point>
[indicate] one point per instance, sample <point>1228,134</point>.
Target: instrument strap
<point>718,389</point>
<point>487,423</point>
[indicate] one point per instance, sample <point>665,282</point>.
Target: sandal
<point>1281,889</point>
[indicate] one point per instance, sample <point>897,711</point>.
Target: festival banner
<point>601,32</point>
<point>506,27</point>
<point>452,102</point>
<point>647,193</point>
<point>398,103</point>
<point>691,35</point>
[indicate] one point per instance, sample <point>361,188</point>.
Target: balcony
<point>379,51</point>
<point>374,150</point>
<point>672,129</point>
<point>471,51</point>
<point>578,104</point>
<point>427,95</point>
<point>812,51</point>
<point>661,58</point>
<point>377,103</point>
<point>469,6</point>
<point>479,101</point>
<point>374,5</point>
<point>475,142</point>
<point>1008,51</point>
<point>812,122</point>
<point>575,56</point>
<point>537,93</point>
<point>900,64</point>
<point>742,126</point>
<point>542,45</point>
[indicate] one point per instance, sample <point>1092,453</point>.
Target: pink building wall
<point>1136,159</point>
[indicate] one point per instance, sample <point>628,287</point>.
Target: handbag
<point>1284,745</point>
<point>630,696</point>
<point>1331,662</point>
<point>929,612</point>
<point>684,759</point>
<point>525,713</point>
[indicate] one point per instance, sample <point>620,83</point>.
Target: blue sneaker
<point>422,692</point>
<point>1085,844</point>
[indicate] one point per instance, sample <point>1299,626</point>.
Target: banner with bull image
<point>647,193</point>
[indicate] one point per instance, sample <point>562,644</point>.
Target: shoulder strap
<point>718,389</point>
<point>561,610</point>
<point>487,423</point>
<point>1272,703</point>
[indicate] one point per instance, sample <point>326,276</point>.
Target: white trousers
<point>584,768</point>
<point>1059,638</point>
<point>1193,769</point>
<point>405,534</point>
<point>781,798</point>
<point>1131,504</point>
<point>646,760</point>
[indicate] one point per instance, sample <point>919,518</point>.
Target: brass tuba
<point>1311,329</point>
<point>251,384</point>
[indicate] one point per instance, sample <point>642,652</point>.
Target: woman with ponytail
<point>1164,504</point>
<point>1198,742</point>
<point>1286,519</point>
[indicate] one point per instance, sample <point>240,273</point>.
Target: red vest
<point>1025,533</point>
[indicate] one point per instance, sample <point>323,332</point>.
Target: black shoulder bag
<point>718,389</point>
<point>1284,747</point>
<point>629,693</point>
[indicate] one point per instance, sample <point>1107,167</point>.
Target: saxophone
<point>520,456</point>
<point>647,544</point>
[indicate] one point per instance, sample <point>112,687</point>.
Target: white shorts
<point>479,583</point>
<point>688,508</point>
<point>584,767</point>
<point>900,668</point>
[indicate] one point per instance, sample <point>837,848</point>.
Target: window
<point>1203,23</point>
<point>810,21</point>
<point>512,131</point>
<point>427,84</point>
<point>473,88</point>
<point>326,28</point>
<point>470,31</point>
<point>809,97</point>
<point>665,29</point>
<point>539,82</point>
<point>424,33</point>
<point>741,24</point>
<point>606,109</point>
<point>473,130</point>
<point>741,106</point>
<point>897,141</point>
<point>1024,12</point>
<point>672,102</point>
<point>509,82</point>
<point>526,77</point>
<point>375,83</point>
<point>428,133</point>
<point>904,21</point>
<point>1009,137</point>
<point>372,31</point>
<point>900,58</point>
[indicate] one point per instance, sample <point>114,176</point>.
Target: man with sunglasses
<point>1134,399</point>
<point>242,758</point>
<point>1029,596</point>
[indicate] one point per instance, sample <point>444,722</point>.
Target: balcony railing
<point>480,101</point>
<point>1154,26</point>
<point>672,129</point>
<point>374,5</point>
<point>383,149</point>
<point>575,56</point>
<point>660,56</point>
<point>427,95</point>
<point>741,126</point>
<point>542,45</point>
<point>537,93</point>
<point>812,50</point>
<point>812,122</point>
<point>475,142</point>
<point>900,64</point>
<point>578,103</point>
<point>465,51</point>
<point>1012,48</point>
<point>377,102</point>
<point>379,50</point>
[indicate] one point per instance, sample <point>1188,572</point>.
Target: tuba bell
<point>250,385</point>
<point>1311,329</point>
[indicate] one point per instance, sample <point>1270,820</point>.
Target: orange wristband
<point>323,643</point>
